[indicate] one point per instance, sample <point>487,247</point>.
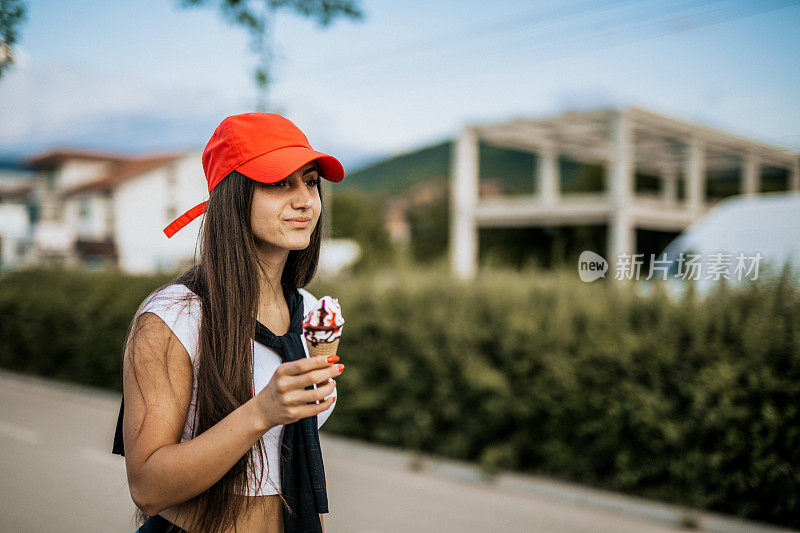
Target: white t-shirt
<point>179,308</point>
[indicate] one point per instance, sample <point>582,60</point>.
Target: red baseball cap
<point>264,147</point>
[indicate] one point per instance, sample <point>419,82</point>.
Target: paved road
<point>57,474</point>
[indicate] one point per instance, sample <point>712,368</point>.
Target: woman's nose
<point>302,196</point>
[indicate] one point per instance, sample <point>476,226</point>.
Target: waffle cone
<point>323,348</point>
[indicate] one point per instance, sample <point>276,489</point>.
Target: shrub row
<point>695,401</point>
<point>69,325</point>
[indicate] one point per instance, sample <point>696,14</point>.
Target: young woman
<point>221,399</point>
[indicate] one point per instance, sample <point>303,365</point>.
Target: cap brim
<point>278,164</point>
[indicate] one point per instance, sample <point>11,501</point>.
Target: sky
<point>149,76</point>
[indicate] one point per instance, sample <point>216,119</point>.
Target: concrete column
<point>549,174</point>
<point>794,175</point>
<point>621,229</point>
<point>695,173</point>
<point>621,239</point>
<point>622,160</point>
<point>464,199</point>
<point>669,181</point>
<point>751,175</point>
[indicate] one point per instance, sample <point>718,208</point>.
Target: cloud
<point>55,102</point>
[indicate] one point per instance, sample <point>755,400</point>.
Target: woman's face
<point>276,204</point>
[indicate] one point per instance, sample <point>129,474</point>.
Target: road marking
<point>20,433</point>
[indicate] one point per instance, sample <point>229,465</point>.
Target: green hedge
<point>69,325</point>
<point>694,402</point>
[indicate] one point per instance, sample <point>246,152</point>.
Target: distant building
<point>14,234</point>
<point>396,215</point>
<point>17,209</point>
<point>99,209</point>
<point>689,168</point>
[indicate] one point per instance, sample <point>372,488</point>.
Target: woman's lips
<point>299,222</point>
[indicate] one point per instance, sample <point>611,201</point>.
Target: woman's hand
<point>285,399</point>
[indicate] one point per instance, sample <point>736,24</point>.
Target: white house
<point>14,230</point>
<point>102,209</point>
<point>16,208</point>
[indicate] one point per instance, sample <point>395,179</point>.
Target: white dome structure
<point>761,231</point>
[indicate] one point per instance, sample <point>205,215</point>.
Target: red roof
<point>55,157</point>
<point>124,170</point>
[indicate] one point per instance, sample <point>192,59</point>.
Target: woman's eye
<point>277,184</point>
<point>313,182</point>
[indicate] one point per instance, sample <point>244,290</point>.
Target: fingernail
<point>333,358</point>
<point>341,367</point>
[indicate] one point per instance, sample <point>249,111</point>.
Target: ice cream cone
<point>322,327</point>
<point>323,348</point>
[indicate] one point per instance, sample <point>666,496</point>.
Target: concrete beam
<point>573,209</point>
<point>596,154</point>
<point>652,215</point>
<point>664,125</point>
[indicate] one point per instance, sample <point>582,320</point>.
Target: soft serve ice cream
<point>323,327</point>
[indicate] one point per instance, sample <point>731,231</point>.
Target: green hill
<point>515,169</point>
<point>396,174</point>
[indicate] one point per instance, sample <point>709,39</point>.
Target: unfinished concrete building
<point>681,156</point>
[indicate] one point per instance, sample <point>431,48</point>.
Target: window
<point>84,208</point>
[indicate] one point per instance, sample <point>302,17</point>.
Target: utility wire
<point>477,32</point>
<point>557,20</point>
<point>655,24</point>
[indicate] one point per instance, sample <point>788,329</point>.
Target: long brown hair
<point>225,277</point>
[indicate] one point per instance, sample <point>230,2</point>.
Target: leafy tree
<point>256,15</point>
<point>12,13</point>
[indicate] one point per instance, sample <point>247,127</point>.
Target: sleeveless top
<point>179,308</point>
